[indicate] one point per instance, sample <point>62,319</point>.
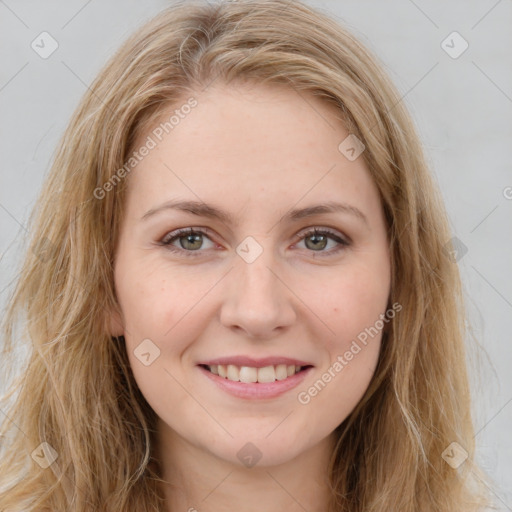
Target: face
<point>258,285</point>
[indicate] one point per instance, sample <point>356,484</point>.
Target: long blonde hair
<point>77,392</point>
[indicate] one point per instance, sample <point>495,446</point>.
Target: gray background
<point>462,107</point>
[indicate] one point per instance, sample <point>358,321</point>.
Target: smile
<point>250,374</point>
<point>255,382</point>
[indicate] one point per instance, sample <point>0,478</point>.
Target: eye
<point>189,241</point>
<point>317,240</point>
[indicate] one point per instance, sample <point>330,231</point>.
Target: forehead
<point>248,143</point>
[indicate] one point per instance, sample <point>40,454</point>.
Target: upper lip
<point>255,363</point>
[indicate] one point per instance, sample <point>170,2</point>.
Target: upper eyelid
<point>178,233</point>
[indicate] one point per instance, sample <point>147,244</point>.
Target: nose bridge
<point>257,300</point>
<point>258,276</point>
<point>255,272</point>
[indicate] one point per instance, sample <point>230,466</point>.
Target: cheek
<point>154,298</point>
<point>170,311</point>
<point>352,309</point>
<point>353,303</point>
<point>357,301</point>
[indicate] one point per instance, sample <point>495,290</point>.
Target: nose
<point>258,300</point>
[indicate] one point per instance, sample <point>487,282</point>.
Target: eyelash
<point>179,233</point>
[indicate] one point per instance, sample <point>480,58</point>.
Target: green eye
<point>191,241</point>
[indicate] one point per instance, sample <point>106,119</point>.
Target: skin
<point>256,152</point>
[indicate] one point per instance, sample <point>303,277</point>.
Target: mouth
<point>255,379</point>
<point>252,374</point>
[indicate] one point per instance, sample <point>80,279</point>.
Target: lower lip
<point>257,390</point>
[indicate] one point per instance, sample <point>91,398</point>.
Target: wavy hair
<point>76,391</point>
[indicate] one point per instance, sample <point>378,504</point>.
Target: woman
<point>190,349</point>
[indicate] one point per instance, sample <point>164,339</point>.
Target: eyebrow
<point>205,210</point>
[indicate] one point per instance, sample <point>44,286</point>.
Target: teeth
<point>249,374</point>
<point>281,372</point>
<point>266,374</point>
<point>233,372</point>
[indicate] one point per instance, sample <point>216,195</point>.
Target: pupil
<point>320,241</point>
<point>191,239</point>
